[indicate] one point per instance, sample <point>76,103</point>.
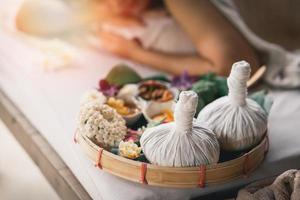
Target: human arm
<point>172,63</point>
<point>215,37</point>
<point>218,43</point>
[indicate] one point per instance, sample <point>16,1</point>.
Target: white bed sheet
<point>51,100</point>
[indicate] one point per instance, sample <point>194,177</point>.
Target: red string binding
<point>143,173</point>
<point>75,137</point>
<point>98,164</point>
<point>245,168</point>
<point>202,174</point>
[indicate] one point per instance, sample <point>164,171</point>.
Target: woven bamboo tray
<point>180,177</point>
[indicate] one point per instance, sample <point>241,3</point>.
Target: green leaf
<point>220,81</point>
<point>259,97</point>
<point>221,84</point>
<point>158,77</point>
<point>206,89</point>
<point>200,105</point>
<point>208,77</point>
<point>142,158</point>
<point>268,104</point>
<point>122,74</point>
<point>262,99</point>
<point>114,150</point>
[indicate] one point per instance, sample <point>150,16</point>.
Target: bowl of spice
<point>128,110</point>
<point>159,91</point>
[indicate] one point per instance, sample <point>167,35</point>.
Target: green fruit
<point>121,74</point>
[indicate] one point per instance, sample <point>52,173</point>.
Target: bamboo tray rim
<point>159,175</point>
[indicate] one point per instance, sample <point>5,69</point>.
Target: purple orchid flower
<point>107,89</point>
<point>184,81</point>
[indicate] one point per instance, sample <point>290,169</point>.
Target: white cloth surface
<point>51,101</point>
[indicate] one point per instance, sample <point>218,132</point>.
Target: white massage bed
<point>50,101</point>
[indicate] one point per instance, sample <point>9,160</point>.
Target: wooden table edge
<point>44,156</point>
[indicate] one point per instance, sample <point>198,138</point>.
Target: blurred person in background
<point>200,36</point>
<point>177,35</point>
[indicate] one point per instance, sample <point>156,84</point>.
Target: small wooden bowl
<point>178,177</point>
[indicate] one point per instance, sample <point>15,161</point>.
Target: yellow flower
<point>129,150</point>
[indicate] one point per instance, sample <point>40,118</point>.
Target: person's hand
<point>119,45</point>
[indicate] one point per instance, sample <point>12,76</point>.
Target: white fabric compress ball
<point>102,124</point>
<point>181,143</point>
<point>238,122</point>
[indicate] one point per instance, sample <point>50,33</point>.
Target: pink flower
<point>132,135</point>
<point>107,89</point>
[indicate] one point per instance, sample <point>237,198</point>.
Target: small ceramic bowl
<point>135,115</point>
<point>173,90</point>
<point>154,108</point>
<point>151,108</point>
<point>133,118</point>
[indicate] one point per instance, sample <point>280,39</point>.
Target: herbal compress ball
<point>183,142</point>
<point>102,124</point>
<point>238,122</point>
